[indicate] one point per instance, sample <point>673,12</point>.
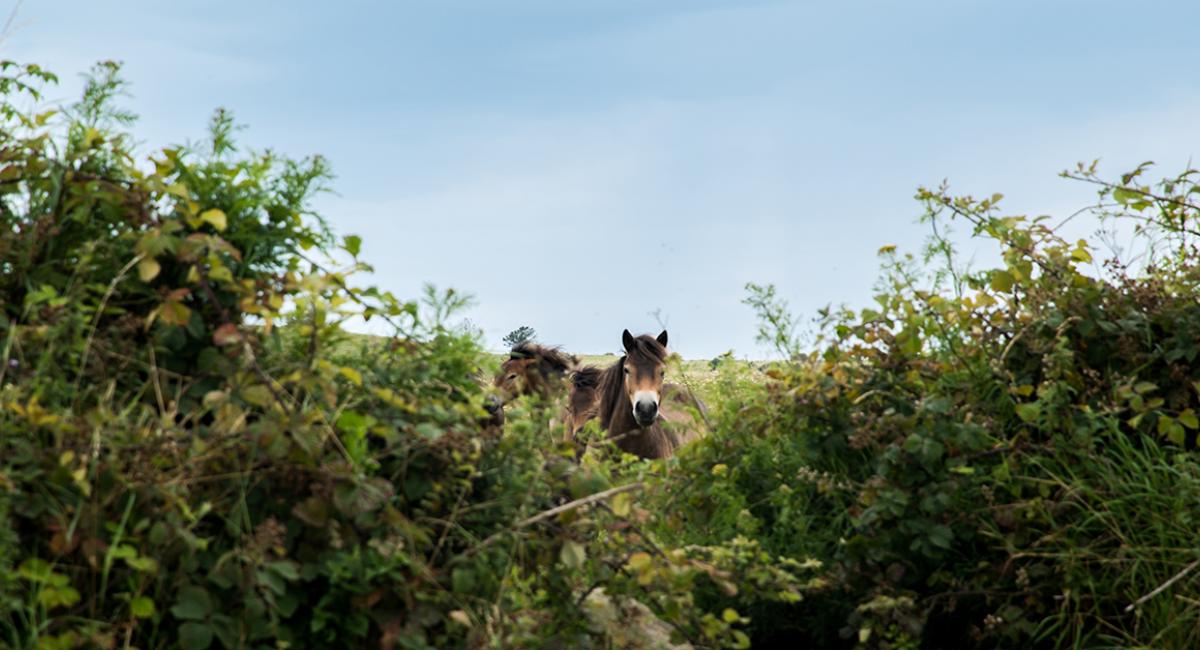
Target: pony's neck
<point>616,412</point>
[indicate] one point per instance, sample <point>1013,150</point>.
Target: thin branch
<point>578,503</point>
<point>87,345</point>
<point>6,31</point>
<point>566,507</point>
<point>1164,586</point>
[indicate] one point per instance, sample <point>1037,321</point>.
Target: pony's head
<point>529,369</point>
<point>644,367</point>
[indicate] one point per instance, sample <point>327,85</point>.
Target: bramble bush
<point>193,454</point>
<point>983,458</point>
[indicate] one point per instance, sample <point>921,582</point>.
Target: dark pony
<point>533,369</point>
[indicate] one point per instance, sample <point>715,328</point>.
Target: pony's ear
<point>627,341</point>
<point>662,338</point>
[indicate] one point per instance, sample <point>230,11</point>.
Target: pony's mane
<point>549,358</point>
<point>612,379</point>
<point>587,377</point>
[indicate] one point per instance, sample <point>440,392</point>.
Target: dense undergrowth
<point>191,455</point>
<point>194,454</point>
<point>984,458</point>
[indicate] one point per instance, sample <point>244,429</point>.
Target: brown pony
<point>533,369</point>
<point>632,401</point>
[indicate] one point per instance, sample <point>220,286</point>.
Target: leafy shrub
<point>985,457</point>
<point>193,453</point>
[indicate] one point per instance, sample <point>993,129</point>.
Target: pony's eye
<point>626,370</point>
<point>512,376</point>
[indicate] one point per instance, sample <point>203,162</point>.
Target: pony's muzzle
<point>645,412</point>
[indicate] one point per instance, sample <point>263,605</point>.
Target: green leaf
<point>193,604</point>
<point>1029,411</point>
<point>1002,281</point>
<point>195,636</point>
<point>143,564</point>
<point>1189,420</point>
<point>286,570</point>
<point>142,607</point>
<point>1143,387</point>
<point>730,615</point>
<point>940,536</point>
<point>258,395</point>
<point>572,554</point>
<point>462,580</point>
<point>353,423</point>
<point>1123,196</point>
<point>352,244</point>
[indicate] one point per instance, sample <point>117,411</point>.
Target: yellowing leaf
<point>353,375</point>
<point>639,561</point>
<point>1143,387</point>
<point>258,395</point>
<point>148,269</point>
<point>178,189</point>
<point>1002,281</point>
<point>1188,419</point>
<point>220,273</point>
<point>621,504</point>
<point>215,217</point>
<point>175,313</point>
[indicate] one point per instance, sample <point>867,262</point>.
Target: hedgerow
<point>984,458</point>
<point>194,453</point>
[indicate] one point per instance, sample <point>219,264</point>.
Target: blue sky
<point>578,165</point>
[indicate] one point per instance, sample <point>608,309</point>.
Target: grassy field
<point>699,374</point>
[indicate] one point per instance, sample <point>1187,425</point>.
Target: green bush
<point>985,457</point>
<point>194,454</point>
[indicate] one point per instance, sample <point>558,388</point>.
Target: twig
<point>557,510</point>
<point>1164,586</point>
<point>6,31</point>
<point>87,345</point>
<point>579,503</point>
